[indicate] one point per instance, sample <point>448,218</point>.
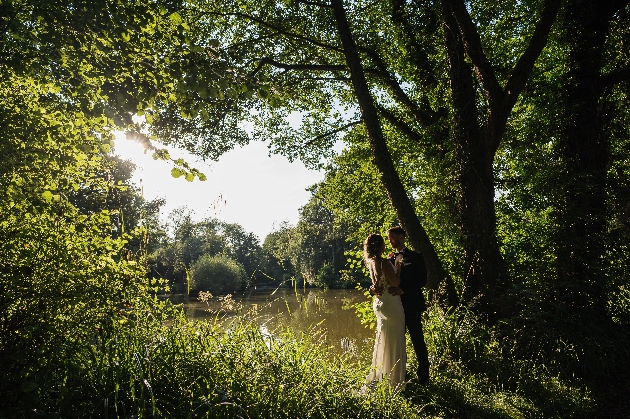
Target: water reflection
<point>328,311</point>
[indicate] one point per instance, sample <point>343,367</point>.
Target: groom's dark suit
<point>413,276</point>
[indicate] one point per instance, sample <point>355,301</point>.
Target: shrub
<point>218,274</point>
<point>326,276</point>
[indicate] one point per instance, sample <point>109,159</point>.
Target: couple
<point>397,283</point>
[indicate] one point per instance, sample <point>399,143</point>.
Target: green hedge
<point>218,274</point>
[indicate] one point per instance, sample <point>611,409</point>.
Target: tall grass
<point>146,367</point>
<point>151,361</point>
<point>476,374</point>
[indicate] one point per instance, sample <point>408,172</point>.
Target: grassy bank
<point>143,366</point>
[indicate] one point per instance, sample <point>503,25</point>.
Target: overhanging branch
<point>333,132</point>
<point>399,124</point>
<point>612,78</point>
<point>298,67</point>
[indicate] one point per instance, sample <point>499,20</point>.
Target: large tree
<point>340,65</point>
<point>478,128</point>
<point>592,32</point>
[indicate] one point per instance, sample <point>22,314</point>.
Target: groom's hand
<point>374,290</point>
<point>395,290</point>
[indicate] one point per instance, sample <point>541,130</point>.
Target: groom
<point>413,276</point>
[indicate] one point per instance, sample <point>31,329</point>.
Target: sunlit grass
<point>208,369</point>
<point>144,366</point>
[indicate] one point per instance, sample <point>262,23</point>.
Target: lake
<point>330,311</point>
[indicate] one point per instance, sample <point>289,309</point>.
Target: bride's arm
<point>374,272</point>
<point>390,274</point>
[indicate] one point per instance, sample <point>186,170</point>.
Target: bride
<point>389,357</point>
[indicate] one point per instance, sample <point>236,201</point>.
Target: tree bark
<point>476,145</point>
<point>483,263</point>
<point>585,150</point>
<point>384,164</point>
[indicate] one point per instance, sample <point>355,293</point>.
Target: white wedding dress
<point>390,356</point>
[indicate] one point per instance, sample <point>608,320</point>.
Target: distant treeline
<point>201,255</point>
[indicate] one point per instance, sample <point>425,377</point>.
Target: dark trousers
<point>414,327</point>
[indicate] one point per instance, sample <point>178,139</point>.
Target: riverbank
<point>142,366</point>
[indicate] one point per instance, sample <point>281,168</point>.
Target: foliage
<point>218,274</point>
<point>313,250</point>
<point>286,59</point>
<point>325,276</point>
<point>81,333</point>
<point>64,277</point>
<point>278,252</point>
<point>524,367</point>
<point>145,367</point>
<point>351,190</point>
<point>60,277</point>
<point>189,240</point>
<point>364,310</point>
<point>480,374</point>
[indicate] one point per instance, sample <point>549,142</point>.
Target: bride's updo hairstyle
<point>372,246</point>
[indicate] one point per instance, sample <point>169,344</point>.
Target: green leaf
<point>263,92</point>
<point>47,195</point>
<point>176,18</point>
<point>176,172</point>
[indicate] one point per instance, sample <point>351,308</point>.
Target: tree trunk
<point>474,155</point>
<point>585,149</point>
<point>384,164</point>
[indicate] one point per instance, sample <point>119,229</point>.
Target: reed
<point>146,367</point>
<point>150,361</point>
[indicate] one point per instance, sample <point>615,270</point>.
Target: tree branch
<point>612,78</point>
<point>501,101</point>
<point>277,29</point>
<point>424,115</point>
<point>313,3</point>
<point>252,40</point>
<point>297,67</point>
<point>333,132</point>
<point>472,45</point>
<point>399,124</point>
<point>525,64</point>
<point>412,33</point>
<point>344,79</point>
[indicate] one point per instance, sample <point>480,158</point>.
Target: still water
<point>327,311</point>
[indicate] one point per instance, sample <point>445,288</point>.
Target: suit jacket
<point>413,276</point>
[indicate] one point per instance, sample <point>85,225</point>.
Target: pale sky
<point>257,190</point>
